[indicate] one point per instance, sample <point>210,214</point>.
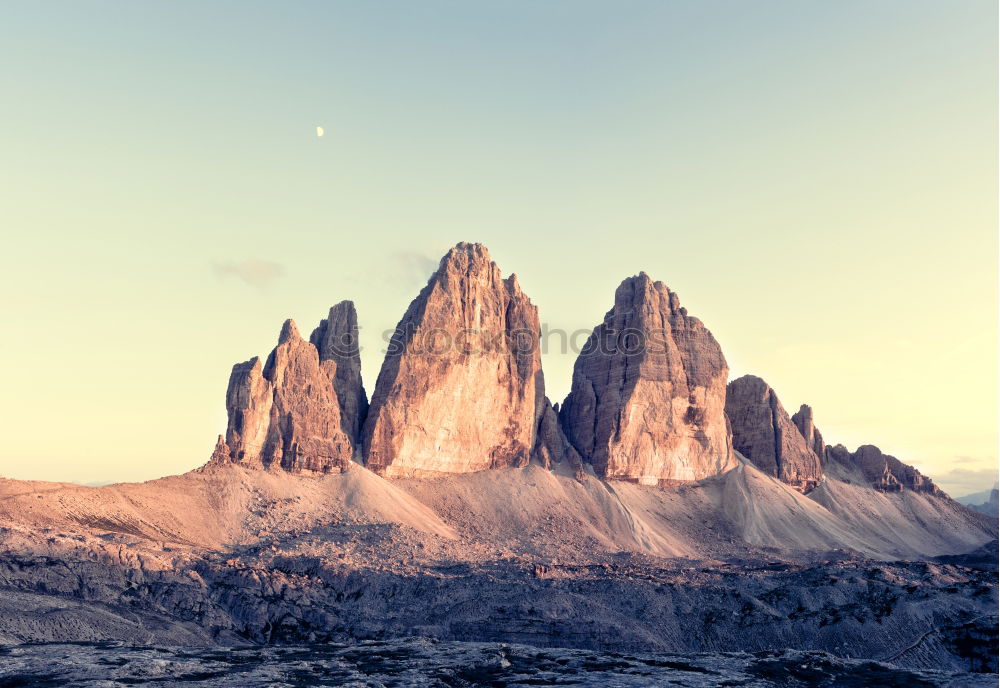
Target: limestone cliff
<point>648,391</point>
<point>287,412</point>
<point>461,386</point>
<point>763,432</point>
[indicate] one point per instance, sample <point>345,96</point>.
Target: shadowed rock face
<point>648,391</point>
<point>336,339</point>
<point>763,432</point>
<point>882,471</point>
<point>461,387</point>
<point>286,413</point>
<point>551,443</point>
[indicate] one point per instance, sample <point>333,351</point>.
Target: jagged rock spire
<point>868,464</point>
<point>336,339</point>
<point>461,387</point>
<point>287,412</point>
<point>803,420</point>
<point>551,444</point>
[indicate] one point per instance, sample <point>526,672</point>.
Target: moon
<point>319,131</point>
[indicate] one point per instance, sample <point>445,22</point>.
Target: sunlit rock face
<point>461,386</point>
<point>649,389</point>
<point>287,412</point>
<point>763,432</point>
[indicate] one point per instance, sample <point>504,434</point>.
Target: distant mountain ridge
<point>984,502</point>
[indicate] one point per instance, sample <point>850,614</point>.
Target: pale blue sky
<point>817,180</point>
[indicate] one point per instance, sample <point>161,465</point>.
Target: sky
<point>816,180</point>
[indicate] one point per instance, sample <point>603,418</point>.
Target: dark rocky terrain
<point>444,664</point>
<point>913,614</point>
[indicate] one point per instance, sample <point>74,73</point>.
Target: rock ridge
<point>882,471</point>
<point>794,451</point>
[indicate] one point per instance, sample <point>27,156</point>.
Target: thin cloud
<point>256,273</point>
<point>959,482</point>
<point>413,269</point>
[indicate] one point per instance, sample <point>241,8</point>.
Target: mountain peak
<point>289,331</point>
<point>465,254</point>
<point>648,391</point>
<point>288,413</point>
<point>461,387</point>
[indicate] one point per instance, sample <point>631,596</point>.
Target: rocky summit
<point>294,411</point>
<point>763,433</point>
<point>649,389</point>
<point>461,387</point>
<point>461,390</point>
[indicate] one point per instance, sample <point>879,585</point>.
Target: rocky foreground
<point>737,563</point>
<point>437,664</point>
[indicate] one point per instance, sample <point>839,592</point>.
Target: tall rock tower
<point>299,410</point>
<point>336,340</point>
<point>461,386</point>
<point>648,392</point>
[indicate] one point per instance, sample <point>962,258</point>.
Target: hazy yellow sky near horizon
<point>818,182</point>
